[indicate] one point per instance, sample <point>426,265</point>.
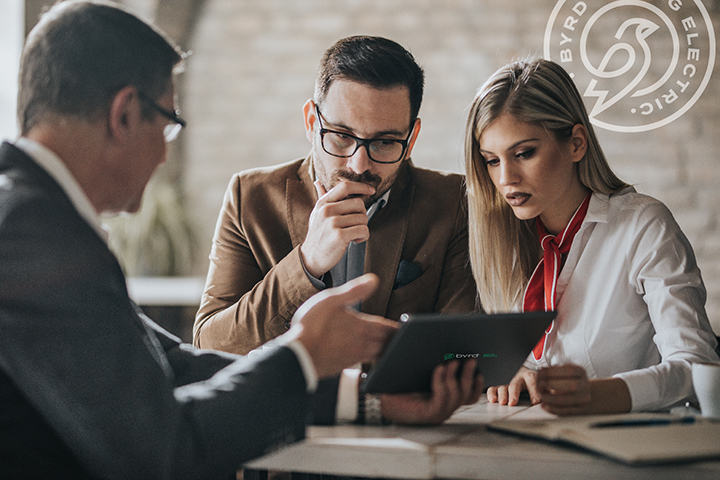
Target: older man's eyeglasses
<point>171,130</point>
<point>344,145</point>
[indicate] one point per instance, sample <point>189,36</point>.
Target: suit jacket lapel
<point>387,236</point>
<point>300,198</point>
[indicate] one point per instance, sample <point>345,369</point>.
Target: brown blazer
<point>256,280</point>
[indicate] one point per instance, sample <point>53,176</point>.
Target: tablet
<point>499,342</point>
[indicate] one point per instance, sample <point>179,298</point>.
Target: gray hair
<point>81,53</point>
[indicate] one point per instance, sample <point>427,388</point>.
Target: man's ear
<point>411,142</point>
<point>124,109</point>
<point>579,142</point>
<point>310,118</point>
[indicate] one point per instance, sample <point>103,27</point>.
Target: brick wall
<point>254,63</point>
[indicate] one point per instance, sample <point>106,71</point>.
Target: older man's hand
<point>337,336</point>
<point>448,393</point>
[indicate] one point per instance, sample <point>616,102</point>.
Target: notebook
<point>632,438</point>
<point>499,342</point>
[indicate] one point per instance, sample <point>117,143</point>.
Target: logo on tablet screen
<point>638,64</point>
<point>450,356</point>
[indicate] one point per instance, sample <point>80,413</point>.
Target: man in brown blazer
<point>355,203</point>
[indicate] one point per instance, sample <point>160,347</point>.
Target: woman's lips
<point>517,199</point>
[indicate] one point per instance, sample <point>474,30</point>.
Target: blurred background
<point>253,64</point>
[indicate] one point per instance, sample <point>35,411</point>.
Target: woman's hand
<point>566,390</point>
<point>524,379</point>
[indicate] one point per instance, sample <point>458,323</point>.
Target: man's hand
<point>338,218</point>
<point>335,335</point>
<point>448,393</point>
<point>524,379</point>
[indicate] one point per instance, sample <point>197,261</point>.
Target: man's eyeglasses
<point>344,145</point>
<point>172,129</point>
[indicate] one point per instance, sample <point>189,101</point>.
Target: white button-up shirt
<point>631,302</point>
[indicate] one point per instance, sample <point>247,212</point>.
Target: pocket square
<point>407,272</point>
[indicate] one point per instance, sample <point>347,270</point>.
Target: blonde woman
<point>553,228</point>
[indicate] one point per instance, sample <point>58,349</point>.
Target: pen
<point>644,422</point>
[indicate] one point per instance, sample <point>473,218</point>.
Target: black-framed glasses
<point>171,130</point>
<point>344,145</point>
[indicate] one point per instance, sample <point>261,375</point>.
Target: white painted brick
<point>254,65</point>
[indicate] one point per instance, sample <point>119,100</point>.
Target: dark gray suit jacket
<point>89,386</point>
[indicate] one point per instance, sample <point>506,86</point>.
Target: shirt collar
<point>52,164</point>
<point>379,203</point>
<point>599,203</point>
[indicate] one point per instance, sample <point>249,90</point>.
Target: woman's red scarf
<point>540,293</point>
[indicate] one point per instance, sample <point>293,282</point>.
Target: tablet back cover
<point>499,342</point>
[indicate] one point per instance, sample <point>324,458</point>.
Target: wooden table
<point>461,448</point>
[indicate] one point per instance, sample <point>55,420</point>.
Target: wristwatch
<point>370,408</point>
<point>373,409</point>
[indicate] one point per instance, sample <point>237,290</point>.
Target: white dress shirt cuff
<point>644,393</point>
<point>346,408</point>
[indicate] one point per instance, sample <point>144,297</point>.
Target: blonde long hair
<point>504,250</point>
